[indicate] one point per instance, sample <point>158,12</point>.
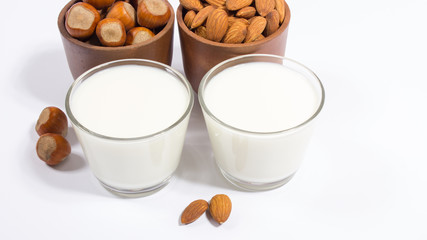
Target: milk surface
<point>129,101</point>
<point>261,97</point>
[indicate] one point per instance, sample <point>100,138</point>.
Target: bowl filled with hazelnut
<point>212,31</point>
<point>98,31</point>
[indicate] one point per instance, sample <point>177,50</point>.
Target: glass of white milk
<point>130,117</point>
<point>259,111</point>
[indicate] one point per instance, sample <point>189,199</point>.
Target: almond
<point>216,25</point>
<point>246,12</point>
<point>234,5</point>
<point>195,5</point>
<point>232,20</point>
<point>201,31</point>
<point>273,22</point>
<point>236,33</point>
<point>220,208</point>
<point>263,7</point>
<point>280,7</point>
<point>260,37</point>
<point>256,27</point>
<point>189,17</point>
<point>201,16</point>
<point>217,3</point>
<point>193,211</point>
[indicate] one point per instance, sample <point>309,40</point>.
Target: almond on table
<point>220,208</point>
<point>193,211</point>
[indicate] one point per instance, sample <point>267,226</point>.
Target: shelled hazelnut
<point>84,18</point>
<point>100,4</point>
<point>111,32</point>
<point>138,34</point>
<point>153,13</point>
<point>124,12</point>
<point>81,20</point>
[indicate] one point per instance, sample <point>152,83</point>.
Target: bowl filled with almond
<point>98,31</point>
<point>212,31</point>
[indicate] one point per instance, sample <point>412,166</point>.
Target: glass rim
<point>205,108</point>
<point>129,61</point>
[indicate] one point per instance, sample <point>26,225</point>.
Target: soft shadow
<point>211,220</point>
<point>72,163</point>
<point>72,174</point>
<point>72,137</point>
<point>197,163</point>
<point>46,76</point>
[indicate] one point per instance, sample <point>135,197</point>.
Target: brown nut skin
<point>124,12</point>
<point>52,148</point>
<point>111,32</point>
<point>153,13</point>
<point>52,120</point>
<point>220,208</point>
<point>100,4</point>
<point>193,211</point>
<point>79,22</point>
<point>138,35</point>
<point>189,17</point>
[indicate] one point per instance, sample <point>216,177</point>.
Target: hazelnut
<point>52,120</point>
<point>124,12</point>
<point>111,32</point>
<point>100,4</point>
<point>52,148</point>
<point>81,20</point>
<point>137,35</point>
<point>153,13</point>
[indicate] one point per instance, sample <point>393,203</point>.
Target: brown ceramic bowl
<point>199,55</point>
<point>82,56</point>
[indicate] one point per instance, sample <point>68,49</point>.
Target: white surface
<point>364,176</point>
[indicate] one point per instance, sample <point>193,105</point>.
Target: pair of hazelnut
<point>116,23</point>
<point>52,127</point>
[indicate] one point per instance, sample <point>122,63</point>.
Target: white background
<point>364,177</point>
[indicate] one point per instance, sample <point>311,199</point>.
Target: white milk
<point>262,99</point>
<point>131,101</point>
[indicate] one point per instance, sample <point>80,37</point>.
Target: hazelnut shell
<point>52,148</point>
<point>52,120</point>
<point>147,18</point>
<point>74,26</point>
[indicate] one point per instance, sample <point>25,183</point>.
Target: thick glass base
<point>255,186</point>
<point>136,192</point>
